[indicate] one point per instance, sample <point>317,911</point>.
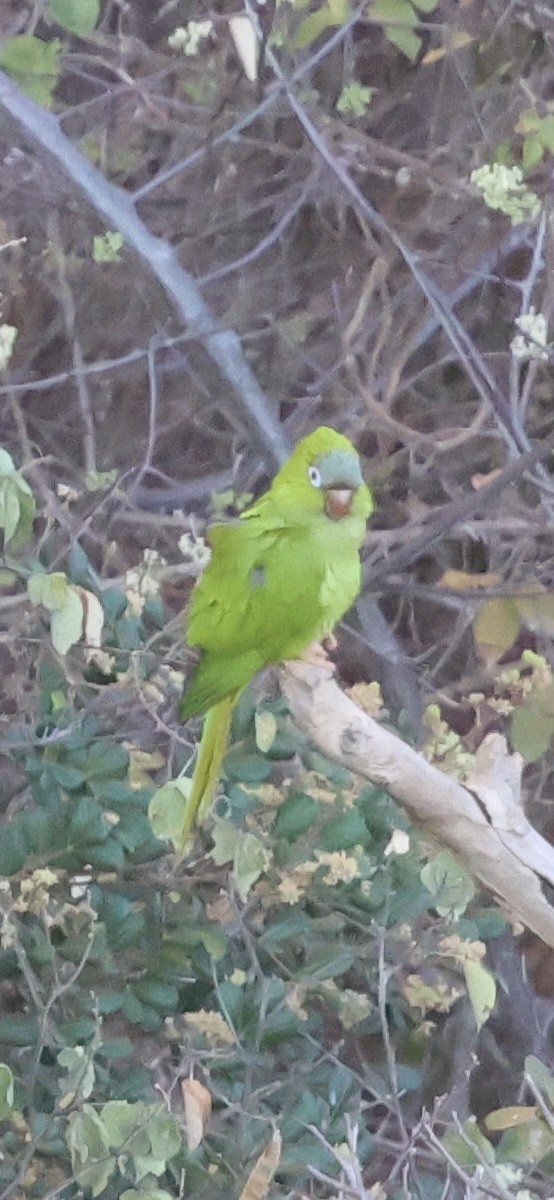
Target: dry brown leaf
<point>457,40</point>
<point>212,1025</point>
<point>257,1184</point>
<point>479,481</point>
<point>198,1106</point>
<point>465,581</point>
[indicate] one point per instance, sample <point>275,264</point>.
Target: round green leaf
<point>66,624</point>
<point>6,1091</point>
<point>481,989</point>
<point>78,16</point>
<point>33,64</point>
<point>167,810</point>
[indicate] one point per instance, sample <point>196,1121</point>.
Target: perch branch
<point>490,834</point>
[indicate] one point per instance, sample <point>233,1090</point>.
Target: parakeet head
<point>323,475</point>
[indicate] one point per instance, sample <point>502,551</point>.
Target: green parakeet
<point>278,579</point>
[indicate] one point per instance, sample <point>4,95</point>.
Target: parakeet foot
<point>316,655</point>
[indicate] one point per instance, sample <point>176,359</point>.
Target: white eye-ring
<point>314,477</point>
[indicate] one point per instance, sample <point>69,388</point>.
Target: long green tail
<point>213,745</point>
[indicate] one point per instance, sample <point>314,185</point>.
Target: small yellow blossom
<point>343,868</point>
<point>216,1031</point>
<point>238,977</point>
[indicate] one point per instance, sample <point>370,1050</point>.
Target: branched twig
<point>115,206</point>
<point>467,353</point>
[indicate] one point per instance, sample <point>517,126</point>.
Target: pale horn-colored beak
<point>338,502</point>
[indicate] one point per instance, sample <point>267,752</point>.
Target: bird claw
<point>316,654</point>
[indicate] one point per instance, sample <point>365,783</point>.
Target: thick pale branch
<point>500,848</point>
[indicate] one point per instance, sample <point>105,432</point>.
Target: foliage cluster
<point>159,1021</point>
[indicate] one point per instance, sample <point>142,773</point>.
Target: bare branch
<point>116,207</point>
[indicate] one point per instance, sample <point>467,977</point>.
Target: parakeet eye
<point>314,477</point>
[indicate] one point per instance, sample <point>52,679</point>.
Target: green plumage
<point>278,579</point>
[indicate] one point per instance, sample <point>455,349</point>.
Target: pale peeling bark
<point>486,827</point>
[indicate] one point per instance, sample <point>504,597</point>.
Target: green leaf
<point>19,1031</point>
<point>496,627</point>
<point>49,590</point>
<point>79,1079</point>
<point>100,481</point>
<point>134,830</point>
<point>145,1193</point>
<point>541,1076</point>
<point>449,883</point>
<point>214,943</point>
<point>532,730</point>
<point>461,1147</point>
<point>117,1047</point>
<point>158,994</point>
<point>546,130</point>
<point>355,99</point>
<point>481,989</point>
<point>120,1119</point>
<point>532,151</point>
<point>401,12</point>
<point>405,40</point>
<point>17,505</point>
<point>164,1136</point>
<point>328,964</point>
<point>334,12</point>
<point>344,832</point>
<point>7,465</point>
<point>7,577</point>
<point>13,850</point>
<point>246,768</point>
<point>86,822</point>
<point>266,730</point>
<point>295,816</point>
<point>106,247</point>
<point>25,524</point>
<point>66,624</point>
<point>114,603</point>
<point>226,838</point>
<point>108,855</point>
<point>250,861</point>
<point>108,1002</point>
<point>9,510</point>
<point>166,810</point>
<point>33,64</point>
<point>278,932</point>
<point>78,566</point>
<point>78,16</point>
<point>64,603</point>
<point>6,1091</point>
<point>78,1031</point>
<point>68,777</point>
<point>106,758</point>
<point>401,29</point>
<point>527,1143</point>
<point>88,1145</point>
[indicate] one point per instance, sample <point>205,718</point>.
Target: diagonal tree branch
<point>117,209</point>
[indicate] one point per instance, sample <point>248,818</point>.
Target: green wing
<point>269,590</point>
